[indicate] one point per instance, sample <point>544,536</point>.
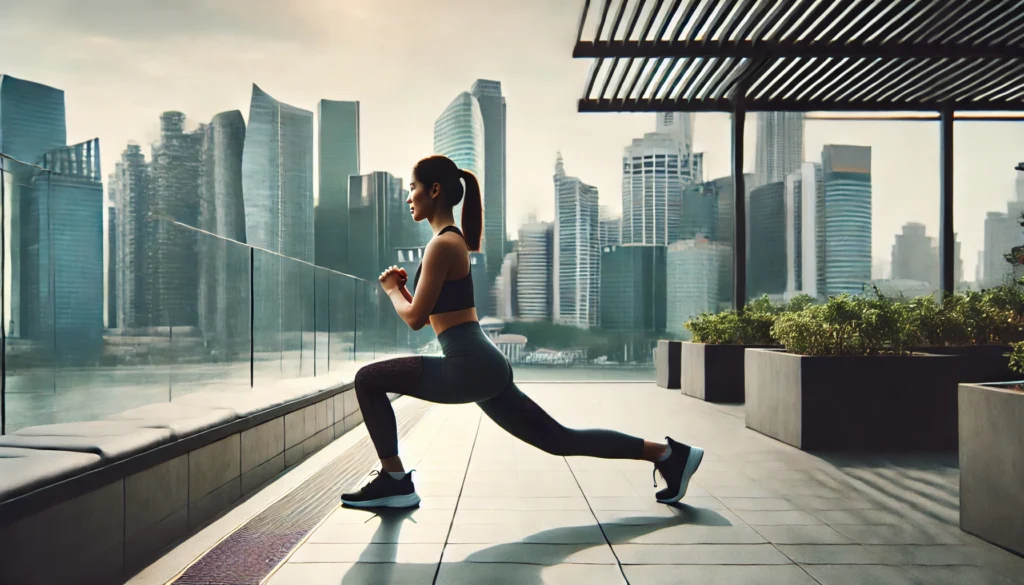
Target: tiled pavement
<point>497,511</point>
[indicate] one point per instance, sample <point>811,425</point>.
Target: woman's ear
<point>435,191</point>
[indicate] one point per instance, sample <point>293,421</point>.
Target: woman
<point>472,369</point>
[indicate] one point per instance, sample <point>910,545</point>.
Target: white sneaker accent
<point>404,501</point>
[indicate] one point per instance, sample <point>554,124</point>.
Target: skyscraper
<point>679,125</point>
<point>32,119</point>
<point>633,289</point>
<point>655,171</point>
<point>766,242</point>
<point>577,251</point>
<point>62,265</point>
<point>724,234</point>
<point>780,146</point>
<point>130,192</point>
<point>339,159</point>
<point>1003,232</point>
<point>492,110</point>
<point>846,218</point>
<point>459,135</point>
<point>534,281</point>
<point>223,266</point>
<point>700,213</point>
<point>277,177</point>
<point>380,223</point>
<point>912,255</point>
<point>506,298</point>
<point>692,281</point>
<point>611,227</point>
<point>112,268</point>
<point>174,252</point>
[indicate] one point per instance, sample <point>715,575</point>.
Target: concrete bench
<point>93,502</point>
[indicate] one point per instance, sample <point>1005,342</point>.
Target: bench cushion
<point>182,420</point>
<point>23,470</point>
<point>243,404</point>
<point>111,440</point>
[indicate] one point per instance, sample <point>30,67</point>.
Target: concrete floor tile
<point>717,575</point>
<point>778,517</point>
<point>513,503</point>
<point>699,554</point>
<point>758,504</point>
<point>685,534</point>
<point>405,533</point>
<point>937,554</point>
<point>901,534</point>
<point>860,575</point>
<point>811,503</point>
<point>961,576</point>
<point>549,518</point>
<point>874,517</point>
<point>637,517</point>
<point>832,554</point>
<point>353,574</point>
<point>312,552</point>
<point>516,574</point>
<point>802,535</point>
<point>528,553</point>
<point>500,533</point>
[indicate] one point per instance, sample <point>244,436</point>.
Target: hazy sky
<point>123,62</point>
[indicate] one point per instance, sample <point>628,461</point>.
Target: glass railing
<point>98,319</point>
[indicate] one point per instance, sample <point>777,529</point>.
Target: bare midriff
<point>442,321</point>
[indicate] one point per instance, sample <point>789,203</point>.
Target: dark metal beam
<point>739,210</point>
<point>947,236</point>
<point>777,49</point>
<point>725,105</point>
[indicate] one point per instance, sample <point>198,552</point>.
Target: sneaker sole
<point>407,501</point>
<point>692,463</point>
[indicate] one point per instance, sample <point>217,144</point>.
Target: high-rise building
<point>766,241</point>
<point>339,159</point>
<point>845,217</point>
<point>692,281</point>
<point>534,281</point>
<point>679,125</point>
<point>459,135</point>
<point>222,264</point>
<point>277,177</point>
<point>32,121</point>
<point>62,255</point>
<point>633,289</point>
<point>492,110</point>
<point>780,146</point>
<point>380,223</point>
<point>174,251</point>
<point>506,299</point>
<point>700,214</point>
<point>804,189</point>
<point>912,257</point>
<point>112,268</point>
<point>611,227</point>
<point>131,194</point>
<point>723,188</point>
<point>1002,233</point>
<point>577,251</point>
<point>655,171</point>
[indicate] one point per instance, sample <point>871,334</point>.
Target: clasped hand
<point>393,278</point>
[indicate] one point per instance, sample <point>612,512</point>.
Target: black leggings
<point>474,370</point>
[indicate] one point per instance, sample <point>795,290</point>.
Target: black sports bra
<point>456,295</point>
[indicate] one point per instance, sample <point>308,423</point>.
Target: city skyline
<point>127,70</point>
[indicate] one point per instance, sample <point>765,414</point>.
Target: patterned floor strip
<point>251,553</point>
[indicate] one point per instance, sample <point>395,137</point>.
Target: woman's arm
<point>437,261</point>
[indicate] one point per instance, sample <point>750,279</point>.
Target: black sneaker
<point>677,471</point>
<point>384,492</point>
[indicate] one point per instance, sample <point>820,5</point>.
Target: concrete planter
<point>666,363</point>
<point>992,464</point>
<point>977,363</point>
<point>854,403</point>
<point>713,373</point>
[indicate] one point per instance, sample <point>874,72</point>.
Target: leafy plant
<point>752,327</point>
<point>848,325</point>
<point>1017,357</point>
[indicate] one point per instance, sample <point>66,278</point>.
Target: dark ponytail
<point>441,170</point>
<point>472,211</point>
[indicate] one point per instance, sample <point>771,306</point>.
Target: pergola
<point>806,55</point>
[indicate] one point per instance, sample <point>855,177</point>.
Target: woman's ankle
<point>392,465</point>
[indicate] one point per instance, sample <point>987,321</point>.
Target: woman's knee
<point>365,380</point>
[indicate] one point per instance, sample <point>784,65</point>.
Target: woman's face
<point>422,199</point>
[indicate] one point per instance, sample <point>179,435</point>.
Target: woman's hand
<point>393,278</point>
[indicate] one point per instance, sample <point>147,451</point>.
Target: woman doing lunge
<point>472,368</point>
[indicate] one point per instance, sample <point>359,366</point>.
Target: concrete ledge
<point>112,520</point>
<point>713,373</point>
<point>991,469</point>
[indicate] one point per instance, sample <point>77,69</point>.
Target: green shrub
<point>848,325</point>
<point>1016,356</point>
<point>752,327</point>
